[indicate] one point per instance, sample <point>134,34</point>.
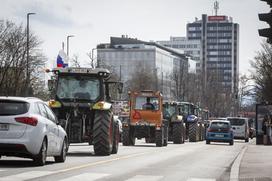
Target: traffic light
<point>267,17</point>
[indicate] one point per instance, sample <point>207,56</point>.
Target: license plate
<point>219,135</point>
<point>4,127</point>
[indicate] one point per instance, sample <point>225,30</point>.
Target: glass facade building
<point>124,56</point>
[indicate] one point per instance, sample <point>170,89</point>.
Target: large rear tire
<point>103,132</point>
<point>177,133</point>
<point>192,132</point>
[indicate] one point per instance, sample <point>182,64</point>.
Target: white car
<point>29,128</point>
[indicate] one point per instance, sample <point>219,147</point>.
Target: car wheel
<point>40,159</point>
<point>208,142</point>
<point>62,157</point>
<point>246,140</point>
<point>231,142</point>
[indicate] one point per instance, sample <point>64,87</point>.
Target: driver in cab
<point>81,91</point>
<point>148,105</point>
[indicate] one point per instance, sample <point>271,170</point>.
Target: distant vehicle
<point>29,128</point>
<point>146,119</point>
<point>240,127</point>
<point>219,131</point>
<point>176,130</point>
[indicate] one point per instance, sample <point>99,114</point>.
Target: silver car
<point>29,128</point>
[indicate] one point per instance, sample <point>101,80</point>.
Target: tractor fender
<point>102,105</point>
<point>177,118</point>
<point>192,118</point>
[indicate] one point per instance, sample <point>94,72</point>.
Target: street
<point>189,161</point>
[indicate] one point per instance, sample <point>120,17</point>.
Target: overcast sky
<point>94,21</point>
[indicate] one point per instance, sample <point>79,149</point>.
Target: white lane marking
<point>86,177</point>
<point>145,177</point>
<point>201,179</point>
<point>235,168</point>
<point>26,176</point>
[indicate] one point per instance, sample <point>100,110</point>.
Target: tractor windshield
<point>168,110</point>
<point>83,87</point>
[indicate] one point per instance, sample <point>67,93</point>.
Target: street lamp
<point>69,36</point>
<point>27,53</point>
<point>93,57</point>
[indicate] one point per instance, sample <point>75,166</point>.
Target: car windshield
<point>147,103</point>
<point>72,87</point>
<point>13,107</point>
<point>218,125</point>
<point>236,121</point>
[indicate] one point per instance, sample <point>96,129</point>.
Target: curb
<point>235,168</point>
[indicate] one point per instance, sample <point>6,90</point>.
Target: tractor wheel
<point>125,137</point>
<point>103,131</point>
<point>177,133</point>
<point>159,138</point>
<point>116,139</point>
<point>203,133</point>
<point>192,132</point>
<point>183,132</point>
<point>165,140</point>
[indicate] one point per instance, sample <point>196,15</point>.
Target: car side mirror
<point>51,84</point>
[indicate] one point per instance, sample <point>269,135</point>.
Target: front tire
<point>177,133</point>
<point>208,142</point>
<point>40,159</point>
<point>103,133</point>
<point>231,142</point>
<point>192,132</point>
<point>159,138</point>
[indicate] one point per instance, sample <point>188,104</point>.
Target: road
<point>189,161</point>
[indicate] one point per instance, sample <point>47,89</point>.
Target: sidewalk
<point>256,163</point>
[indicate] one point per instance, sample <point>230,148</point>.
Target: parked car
<point>240,127</point>
<point>219,131</point>
<point>29,128</point>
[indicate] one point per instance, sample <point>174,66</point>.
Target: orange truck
<point>145,119</point>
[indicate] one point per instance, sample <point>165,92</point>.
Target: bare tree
<point>13,63</point>
<point>75,61</point>
<point>263,73</point>
<point>143,78</point>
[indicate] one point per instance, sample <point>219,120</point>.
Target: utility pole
<point>69,36</point>
<point>27,55</point>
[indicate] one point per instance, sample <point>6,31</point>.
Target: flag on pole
<point>62,59</point>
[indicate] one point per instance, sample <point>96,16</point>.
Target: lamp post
<point>27,53</point>
<point>69,36</point>
<point>93,57</point>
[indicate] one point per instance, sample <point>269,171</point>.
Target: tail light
<point>136,115</point>
<point>27,120</point>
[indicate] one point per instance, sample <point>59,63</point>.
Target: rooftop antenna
<point>216,7</point>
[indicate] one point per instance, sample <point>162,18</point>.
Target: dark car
<point>219,131</point>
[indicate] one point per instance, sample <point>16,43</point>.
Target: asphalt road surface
<point>143,162</point>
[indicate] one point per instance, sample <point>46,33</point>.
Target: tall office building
<point>219,38</point>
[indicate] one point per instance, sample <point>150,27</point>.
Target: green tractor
<point>172,111</point>
<point>82,103</point>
